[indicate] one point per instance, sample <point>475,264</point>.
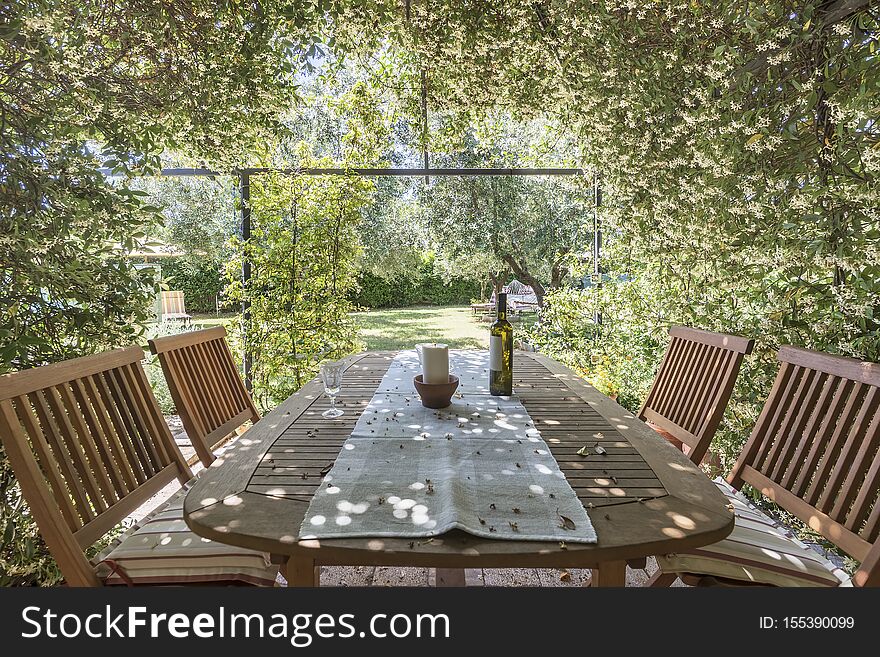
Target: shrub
<point>201,281</point>
<point>425,289</point>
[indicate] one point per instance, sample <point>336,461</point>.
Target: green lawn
<point>402,328</point>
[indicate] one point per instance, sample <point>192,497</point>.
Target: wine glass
<point>331,375</point>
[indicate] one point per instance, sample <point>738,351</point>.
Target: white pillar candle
<point>435,362</point>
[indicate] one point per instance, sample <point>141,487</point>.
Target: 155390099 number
<point>818,622</point>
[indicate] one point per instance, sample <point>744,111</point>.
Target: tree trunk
<point>523,274</point>
<point>557,272</point>
<point>496,284</point>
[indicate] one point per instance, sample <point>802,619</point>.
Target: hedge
<point>200,280</point>
<point>428,290</point>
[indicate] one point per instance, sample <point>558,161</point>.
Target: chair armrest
<point>868,573</point>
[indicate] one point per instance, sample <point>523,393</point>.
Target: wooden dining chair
<point>693,385</point>
<point>815,452</point>
<point>88,445</point>
<point>172,307</point>
<point>206,387</point>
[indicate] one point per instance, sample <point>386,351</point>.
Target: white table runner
<point>479,465</point>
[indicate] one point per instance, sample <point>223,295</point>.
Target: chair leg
<point>301,572</point>
<point>450,577</point>
<point>661,579</point>
<point>610,573</point>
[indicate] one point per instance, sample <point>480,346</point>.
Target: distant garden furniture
<point>88,445</point>
<point>172,308</point>
<point>642,494</point>
<point>482,308</point>
<point>520,304</point>
<point>815,451</point>
<point>486,308</point>
<point>206,387</point>
<point>693,385</point>
<point>522,301</point>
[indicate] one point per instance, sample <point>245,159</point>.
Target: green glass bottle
<point>501,351</point>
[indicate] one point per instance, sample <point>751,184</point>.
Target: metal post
<point>597,243</point>
<point>425,121</point>
<point>244,187</point>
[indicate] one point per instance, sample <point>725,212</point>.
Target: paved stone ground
<point>544,577</point>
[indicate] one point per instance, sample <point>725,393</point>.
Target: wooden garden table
<point>644,496</point>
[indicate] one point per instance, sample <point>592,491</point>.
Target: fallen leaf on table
<point>562,545</point>
<point>598,435</point>
<point>565,576</point>
<point>583,451</point>
<point>599,449</point>
<point>565,522</point>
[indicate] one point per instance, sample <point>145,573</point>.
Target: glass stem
<point>332,402</point>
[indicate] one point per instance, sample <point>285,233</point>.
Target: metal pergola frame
<point>244,191</point>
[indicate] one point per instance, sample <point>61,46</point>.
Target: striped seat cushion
<point>759,550</point>
<point>162,550</point>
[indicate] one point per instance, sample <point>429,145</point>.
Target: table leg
<point>610,573</point>
<point>301,572</point>
<point>450,577</point>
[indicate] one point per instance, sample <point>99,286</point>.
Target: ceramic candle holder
<point>436,395</point>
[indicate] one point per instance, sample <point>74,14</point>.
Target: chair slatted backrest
<point>815,450</point>
<point>206,387</point>
<point>172,303</point>
<point>694,384</point>
<point>88,445</point>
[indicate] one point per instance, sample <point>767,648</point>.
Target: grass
<point>402,328</point>
<point>391,329</point>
